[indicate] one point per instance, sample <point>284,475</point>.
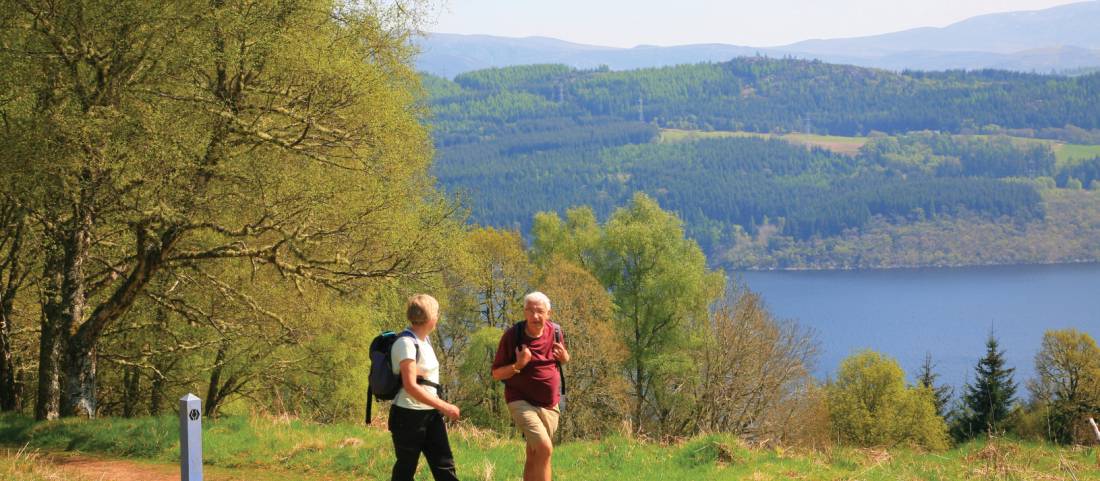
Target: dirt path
<point>96,469</point>
<point>86,467</point>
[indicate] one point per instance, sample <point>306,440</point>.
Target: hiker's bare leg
<point>537,466</point>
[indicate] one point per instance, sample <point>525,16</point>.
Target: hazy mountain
<point>1062,38</point>
<point>1067,25</point>
<point>1072,60</point>
<point>449,54</point>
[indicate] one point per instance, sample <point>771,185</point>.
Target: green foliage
<point>959,156</point>
<point>280,449</point>
<point>523,139</point>
<point>482,290</point>
<point>482,400</point>
<point>660,287</point>
<point>762,95</point>
<point>870,405</point>
<point>1072,218</point>
<point>212,180</point>
<point>941,393</point>
<point>598,393</point>
<point>987,402</point>
<point>1081,173</point>
<point>712,449</point>
<point>1067,386</point>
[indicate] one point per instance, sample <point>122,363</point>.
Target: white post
<point>190,438</point>
<point>1095,429</point>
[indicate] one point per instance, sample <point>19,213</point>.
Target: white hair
<point>536,297</point>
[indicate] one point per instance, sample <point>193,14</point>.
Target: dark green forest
<point>520,140</point>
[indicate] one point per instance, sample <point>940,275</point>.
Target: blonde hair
<point>421,308</point>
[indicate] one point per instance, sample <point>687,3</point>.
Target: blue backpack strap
<point>416,342</point>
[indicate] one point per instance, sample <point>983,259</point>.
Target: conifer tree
<point>989,400</point>
<point>941,394</point>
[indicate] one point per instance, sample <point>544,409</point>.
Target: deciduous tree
<point>870,405</point>
<point>149,137</point>
<point>1067,382</point>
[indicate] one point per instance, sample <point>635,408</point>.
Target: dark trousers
<point>416,431</point>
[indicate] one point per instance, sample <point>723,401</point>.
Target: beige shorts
<point>538,424</point>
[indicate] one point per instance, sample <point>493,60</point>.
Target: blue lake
<point>946,312</point>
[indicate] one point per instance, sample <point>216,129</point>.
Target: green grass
<point>679,135</point>
<point>838,144</point>
<point>261,448</point>
<point>1064,154</point>
<point>1070,154</point>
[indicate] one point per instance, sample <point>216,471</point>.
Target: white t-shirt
<point>427,367</point>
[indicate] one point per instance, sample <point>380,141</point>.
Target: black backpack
<point>382,383</point>
<point>520,328</point>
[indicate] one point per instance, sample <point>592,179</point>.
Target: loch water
<point>947,312</point>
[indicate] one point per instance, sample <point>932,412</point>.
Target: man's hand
<point>450,411</point>
<point>523,356</point>
<point>560,354</point>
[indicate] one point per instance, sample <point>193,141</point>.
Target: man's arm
<point>561,354</point>
<point>523,356</point>
<point>503,369</point>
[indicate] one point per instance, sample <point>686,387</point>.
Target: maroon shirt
<point>539,382</point>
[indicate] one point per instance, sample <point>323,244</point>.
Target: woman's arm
<point>417,392</point>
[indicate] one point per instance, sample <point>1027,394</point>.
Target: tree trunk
<point>156,396</point>
<point>8,394</point>
<point>78,357</point>
<point>12,273</point>
<point>639,397</point>
<point>47,404</point>
<point>213,392</point>
<point>79,397</point>
<point>131,388</point>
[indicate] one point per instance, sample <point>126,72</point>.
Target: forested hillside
<point>521,140</point>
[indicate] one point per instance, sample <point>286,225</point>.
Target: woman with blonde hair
<point>416,416</point>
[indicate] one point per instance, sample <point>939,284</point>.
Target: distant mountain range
<point>1059,39</point>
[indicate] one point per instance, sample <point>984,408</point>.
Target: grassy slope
<point>838,144</point>
<point>1069,154</point>
<point>288,450</point>
<point>1065,154</point>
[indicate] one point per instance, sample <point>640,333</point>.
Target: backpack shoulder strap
<point>561,370</point>
<point>519,327</point>
<point>416,342</point>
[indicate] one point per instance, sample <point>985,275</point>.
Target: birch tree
<point>148,137</point>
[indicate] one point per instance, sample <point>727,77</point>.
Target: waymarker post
<point>190,438</point>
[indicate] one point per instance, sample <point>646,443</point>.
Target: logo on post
<point>194,414</point>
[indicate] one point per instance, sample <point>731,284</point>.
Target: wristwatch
<point>515,370</point>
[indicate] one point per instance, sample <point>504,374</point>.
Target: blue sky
<point>760,23</point>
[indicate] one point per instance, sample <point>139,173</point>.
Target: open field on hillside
<point>1065,154</point>
<point>1069,154</point>
<point>838,144</point>
<point>290,449</point>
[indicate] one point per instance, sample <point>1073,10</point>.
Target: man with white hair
<point>528,360</point>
